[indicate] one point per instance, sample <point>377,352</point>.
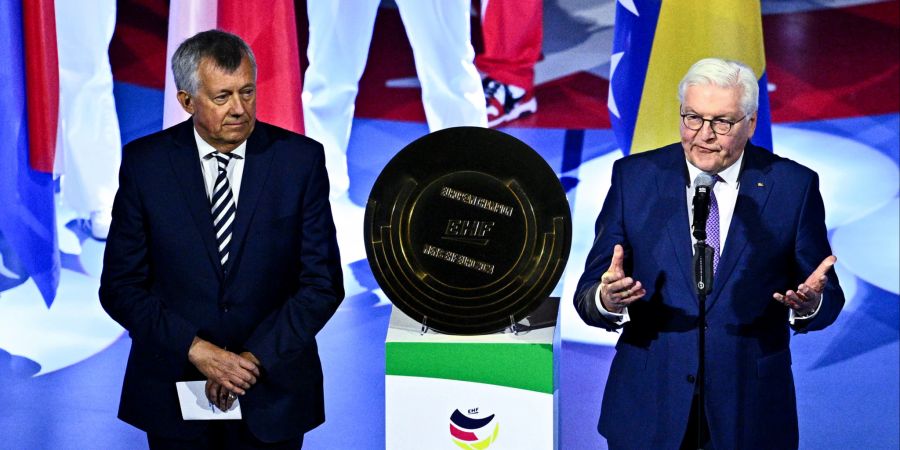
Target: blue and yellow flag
<point>656,42</point>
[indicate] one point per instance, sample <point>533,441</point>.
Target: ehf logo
<point>473,430</point>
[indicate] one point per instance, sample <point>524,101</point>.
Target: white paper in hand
<point>195,406</point>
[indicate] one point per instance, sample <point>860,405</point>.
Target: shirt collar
<point>206,151</point>
<point>729,175</point>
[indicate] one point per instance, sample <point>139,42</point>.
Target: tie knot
<point>711,179</point>
<point>222,159</point>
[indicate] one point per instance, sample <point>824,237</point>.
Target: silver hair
<point>226,51</point>
<point>723,73</point>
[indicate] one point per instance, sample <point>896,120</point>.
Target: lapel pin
<point>760,184</point>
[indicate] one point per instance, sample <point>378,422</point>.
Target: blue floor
<point>846,376</point>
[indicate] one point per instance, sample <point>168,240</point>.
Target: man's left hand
<point>250,357</point>
<point>219,395</point>
<point>806,298</point>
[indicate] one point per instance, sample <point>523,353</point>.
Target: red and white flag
<point>272,34</point>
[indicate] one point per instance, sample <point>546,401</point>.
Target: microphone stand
<point>703,277</point>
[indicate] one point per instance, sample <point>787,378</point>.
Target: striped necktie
<point>223,207</point>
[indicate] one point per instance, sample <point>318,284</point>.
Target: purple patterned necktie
<point>712,224</point>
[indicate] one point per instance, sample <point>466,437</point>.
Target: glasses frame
<point>712,123</point>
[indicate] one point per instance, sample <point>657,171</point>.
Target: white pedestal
<point>494,391</point>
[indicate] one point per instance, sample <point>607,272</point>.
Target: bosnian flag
<point>272,34</point>
<point>28,124</point>
<point>655,43</point>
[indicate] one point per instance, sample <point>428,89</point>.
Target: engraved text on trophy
<point>468,231</point>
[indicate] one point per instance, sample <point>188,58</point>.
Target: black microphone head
<point>702,187</point>
<point>704,179</point>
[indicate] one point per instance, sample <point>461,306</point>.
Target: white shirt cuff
<point>793,317</point>
<point>618,319</point>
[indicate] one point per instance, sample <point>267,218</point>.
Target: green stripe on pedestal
<point>522,366</point>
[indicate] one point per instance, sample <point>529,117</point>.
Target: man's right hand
<point>616,290</point>
<point>228,369</point>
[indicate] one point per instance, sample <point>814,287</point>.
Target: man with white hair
<point>772,272</point>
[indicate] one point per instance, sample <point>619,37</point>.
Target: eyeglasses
<point>719,126</point>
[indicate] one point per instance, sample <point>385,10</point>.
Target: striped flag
<point>656,42</point>
<point>272,34</point>
<point>28,124</point>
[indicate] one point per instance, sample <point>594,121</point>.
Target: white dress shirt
<point>210,166</point>
<point>726,192</point>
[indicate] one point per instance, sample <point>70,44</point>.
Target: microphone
<point>703,184</point>
<point>702,261</point>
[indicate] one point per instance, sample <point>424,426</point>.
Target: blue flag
<point>27,215</point>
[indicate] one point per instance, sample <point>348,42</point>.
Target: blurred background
<point>829,73</point>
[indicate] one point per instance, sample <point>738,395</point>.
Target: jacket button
<point>691,379</point>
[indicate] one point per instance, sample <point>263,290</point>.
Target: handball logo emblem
<point>473,431</point>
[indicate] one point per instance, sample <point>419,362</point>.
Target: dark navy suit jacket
<point>776,239</point>
<point>163,283</point>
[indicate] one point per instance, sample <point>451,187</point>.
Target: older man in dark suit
<point>222,262</point>
<point>766,220</point>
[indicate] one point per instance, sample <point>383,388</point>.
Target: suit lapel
<point>186,165</point>
<point>256,171</point>
<point>753,193</point>
<point>671,185</point>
